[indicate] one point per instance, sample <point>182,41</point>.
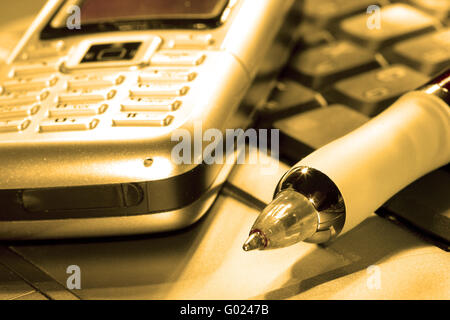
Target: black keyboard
<point>341,74</point>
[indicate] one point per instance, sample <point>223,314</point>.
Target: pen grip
<point>374,162</point>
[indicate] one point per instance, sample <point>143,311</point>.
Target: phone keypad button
<point>28,86</point>
<point>85,98</point>
<point>33,69</point>
<point>158,91</point>
<point>142,120</point>
<point>12,100</point>
<point>191,42</point>
<point>92,83</point>
<point>166,76</point>
<point>158,105</point>
<point>68,124</point>
<point>76,110</point>
<point>15,112</point>
<point>14,126</point>
<point>177,59</point>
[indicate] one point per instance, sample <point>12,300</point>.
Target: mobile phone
<point>89,100</point>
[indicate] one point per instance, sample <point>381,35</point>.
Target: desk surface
<point>206,261</point>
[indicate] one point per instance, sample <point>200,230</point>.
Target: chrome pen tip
<point>256,240</point>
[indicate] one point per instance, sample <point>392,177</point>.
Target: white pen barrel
<point>374,162</point>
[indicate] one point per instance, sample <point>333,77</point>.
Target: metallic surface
<point>324,196</point>
<point>115,226</point>
<point>255,240</point>
<point>440,86</point>
<point>110,155</point>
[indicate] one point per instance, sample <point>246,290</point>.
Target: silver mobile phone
<point>89,100</point>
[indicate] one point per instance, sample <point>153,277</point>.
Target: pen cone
<point>254,241</point>
<point>290,218</point>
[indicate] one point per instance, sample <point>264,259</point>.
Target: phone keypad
<point>77,101</point>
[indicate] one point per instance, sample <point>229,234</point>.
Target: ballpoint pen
<point>339,185</point>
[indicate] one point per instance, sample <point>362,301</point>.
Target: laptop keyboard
<point>342,73</point>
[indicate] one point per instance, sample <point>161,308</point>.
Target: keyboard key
<point>325,11</point>
<point>397,22</point>
<point>287,99</point>
<point>268,170</point>
<point>428,53</point>
<point>68,124</point>
<point>373,91</point>
<point>325,64</point>
<point>142,120</point>
<point>438,8</point>
<point>309,35</point>
<point>425,204</point>
<point>303,133</point>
